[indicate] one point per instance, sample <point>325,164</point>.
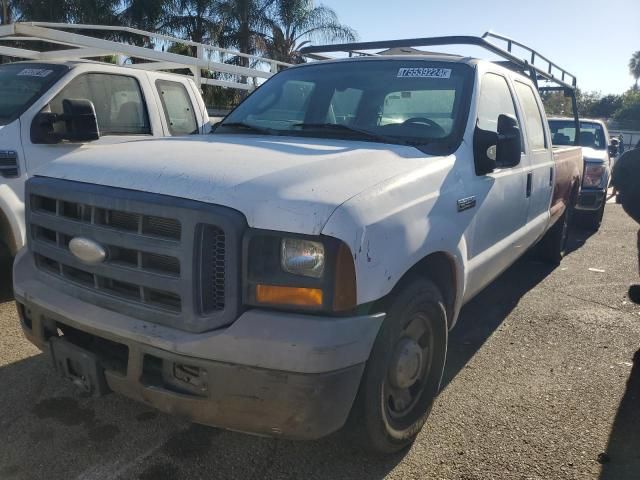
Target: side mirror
<point>509,146</point>
<point>80,124</point>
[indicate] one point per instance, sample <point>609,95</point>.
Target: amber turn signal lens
<point>276,295</point>
<point>345,296</point>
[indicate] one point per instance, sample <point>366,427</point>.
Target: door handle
<point>529,183</point>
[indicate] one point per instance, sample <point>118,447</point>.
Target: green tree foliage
<point>295,23</point>
<point>629,112</point>
<point>66,11</point>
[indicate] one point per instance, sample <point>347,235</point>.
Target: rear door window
<point>533,115</point>
<point>120,107</point>
<point>178,109</point>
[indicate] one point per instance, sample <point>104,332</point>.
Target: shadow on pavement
<point>488,310</point>
<point>623,450</point>
<point>577,238</point>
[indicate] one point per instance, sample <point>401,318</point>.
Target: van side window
<point>495,100</point>
<point>535,124</point>
<point>120,107</point>
<point>178,110</point>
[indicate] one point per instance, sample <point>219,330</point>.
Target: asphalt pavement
<point>540,384</point>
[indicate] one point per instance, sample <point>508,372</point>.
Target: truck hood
<point>593,155</point>
<point>278,183</point>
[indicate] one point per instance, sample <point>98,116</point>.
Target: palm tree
<point>296,23</point>
<point>634,67</point>
<point>243,24</point>
<point>195,20</point>
<point>65,11</point>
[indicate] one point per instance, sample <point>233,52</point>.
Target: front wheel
<point>403,374</point>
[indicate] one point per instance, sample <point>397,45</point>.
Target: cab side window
<point>495,100</point>
<point>535,124</point>
<point>120,107</point>
<point>178,110</point>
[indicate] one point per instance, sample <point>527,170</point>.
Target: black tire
<point>378,418</point>
<point>553,246</point>
<point>591,220</point>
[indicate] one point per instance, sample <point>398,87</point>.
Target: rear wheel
<point>553,246</point>
<point>403,374</point>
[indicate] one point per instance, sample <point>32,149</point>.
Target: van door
<point>496,238</point>
<point>120,107</point>
<point>540,179</point>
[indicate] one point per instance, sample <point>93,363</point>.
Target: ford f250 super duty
<point>41,120</point>
<point>304,265</point>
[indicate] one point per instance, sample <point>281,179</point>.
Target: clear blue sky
<point>592,39</point>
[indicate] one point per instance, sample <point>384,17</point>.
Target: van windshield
<point>563,132</point>
<point>21,84</point>
<point>410,102</point>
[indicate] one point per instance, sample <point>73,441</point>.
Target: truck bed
<point>569,169</point>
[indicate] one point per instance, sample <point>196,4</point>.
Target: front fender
<point>385,251</point>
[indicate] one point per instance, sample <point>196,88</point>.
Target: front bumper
<point>268,373</point>
<point>591,199</point>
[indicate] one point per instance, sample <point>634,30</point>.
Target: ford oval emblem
<point>87,250</point>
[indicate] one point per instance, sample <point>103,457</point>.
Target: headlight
<point>302,257</point>
<point>594,175</point>
<point>297,272</point>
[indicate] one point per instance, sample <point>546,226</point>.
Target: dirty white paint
<point>278,183</point>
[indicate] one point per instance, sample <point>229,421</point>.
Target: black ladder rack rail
<point>564,81</point>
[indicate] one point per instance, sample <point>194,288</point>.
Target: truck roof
<point>102,65</point>
<point>582,119</point>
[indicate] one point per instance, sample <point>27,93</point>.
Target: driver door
<point>498,227</point>
<point>120,110</point>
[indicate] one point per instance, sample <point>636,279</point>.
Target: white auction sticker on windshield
<point>35,72</point>
<point>424,72</point>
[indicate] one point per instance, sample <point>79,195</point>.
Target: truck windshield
<point>592,135</point>
<point>21,84</point>
<point>411,102</point>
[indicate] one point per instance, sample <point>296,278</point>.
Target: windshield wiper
<point>364,133</point>
<point>248,127</point>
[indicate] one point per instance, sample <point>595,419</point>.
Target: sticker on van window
<point>424,72</point>
<point>35,72</point>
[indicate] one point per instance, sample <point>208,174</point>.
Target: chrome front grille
<point>167,259</point>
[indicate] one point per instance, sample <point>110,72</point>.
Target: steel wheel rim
<point>399,399</point>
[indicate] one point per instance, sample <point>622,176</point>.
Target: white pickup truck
<point>305,263</point>
<point>35,128</point>
<point>596,149</point>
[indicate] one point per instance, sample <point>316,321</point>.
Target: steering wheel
<point>425,121</point>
